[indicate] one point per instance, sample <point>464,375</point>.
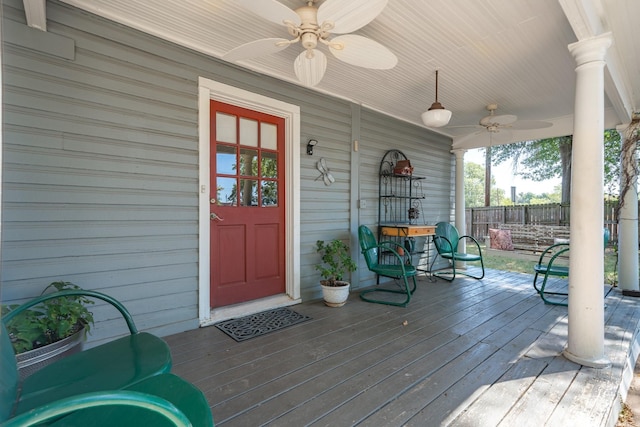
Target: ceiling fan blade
<point>310,70</point>
<point>363,52</point>
<point>255,48</point>
<point>349,16</point>
<point>503,119</point>
<point>271,10</point>
<point>530,124</point>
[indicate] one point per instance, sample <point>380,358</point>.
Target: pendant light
<point>436,116</point>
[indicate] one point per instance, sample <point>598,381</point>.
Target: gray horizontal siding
<point>100,181</point>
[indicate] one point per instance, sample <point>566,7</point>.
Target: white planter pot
<point>335,296</point>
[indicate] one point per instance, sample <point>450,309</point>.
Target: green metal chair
<point>446,242</point>
<point>545,268</point>
<point>398,267</point>
<point>125,382</point>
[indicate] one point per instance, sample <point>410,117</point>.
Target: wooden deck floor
<point>472,353</point>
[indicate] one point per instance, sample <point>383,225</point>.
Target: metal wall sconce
<point>310,145</point>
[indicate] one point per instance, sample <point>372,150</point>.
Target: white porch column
<point>460,218</point>
<point>628,220</point>
<point>586,297</point>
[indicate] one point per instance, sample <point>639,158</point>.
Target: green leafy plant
<point>51,321</point>
<point>336,260</point>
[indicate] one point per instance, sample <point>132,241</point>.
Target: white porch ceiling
<point>510,52</point>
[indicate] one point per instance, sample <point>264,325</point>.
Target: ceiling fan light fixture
<point>436,116</point>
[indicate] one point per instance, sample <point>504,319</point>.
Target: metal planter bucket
<point>36,359</point>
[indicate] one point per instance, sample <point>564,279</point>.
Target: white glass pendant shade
<point>436,116</point>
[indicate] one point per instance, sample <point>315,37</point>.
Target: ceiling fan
<point>495,123</point>
<point>500,125</point>
<point>311,25</point>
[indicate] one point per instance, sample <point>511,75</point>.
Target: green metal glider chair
<point>549,265</point>
<point>446,242</point>
<point>125,382</point>
<point>396,266</point>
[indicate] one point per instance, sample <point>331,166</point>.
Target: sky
<point>505,179</point>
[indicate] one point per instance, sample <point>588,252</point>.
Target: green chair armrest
<point>389,245</point>
<point>551,250</point>
<point>59,408</point>
<point>76,292</point>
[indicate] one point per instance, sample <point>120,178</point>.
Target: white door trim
<point>208,90</point>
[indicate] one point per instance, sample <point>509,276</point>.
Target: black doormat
<point>252,326</point>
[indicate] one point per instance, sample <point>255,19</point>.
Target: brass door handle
<point>216,217</point>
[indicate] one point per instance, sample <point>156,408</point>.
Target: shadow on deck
<point>468,353</point>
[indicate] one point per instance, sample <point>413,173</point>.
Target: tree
<point>473,185</point>
<point>474,179</point>
<point>551,158</point>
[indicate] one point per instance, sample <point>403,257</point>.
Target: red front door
<point>247,206</point>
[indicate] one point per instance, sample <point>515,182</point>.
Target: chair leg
<point>535,278</point>
<point>477,277</point>
<point>543,294</point>
<point>408,292</point>
<point>451,274</point>
<point>415,284</point>
<point>446,275</point>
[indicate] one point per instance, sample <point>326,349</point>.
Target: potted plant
<point>50,330</point>
<point>336,262</point>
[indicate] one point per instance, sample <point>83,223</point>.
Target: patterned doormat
<point>252,326</point>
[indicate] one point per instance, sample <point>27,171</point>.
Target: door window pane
<point>269,193</point>
<point>226,191</point>
<point>249,132</point>
<point>225,159</point>
<point>248,162</point>
<point>268,136</point>
<point>269,165</point>
<point>248,192</point>
<point>226,128</point>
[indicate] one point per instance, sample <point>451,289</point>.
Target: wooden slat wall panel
<point>101,167</point>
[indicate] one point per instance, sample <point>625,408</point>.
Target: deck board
<point>468,353</point>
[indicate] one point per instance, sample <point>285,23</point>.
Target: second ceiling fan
<point>498,126</point>
<point>311,26</point>
<point>495,123</point>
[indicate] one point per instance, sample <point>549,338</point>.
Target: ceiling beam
<point>36,13</point>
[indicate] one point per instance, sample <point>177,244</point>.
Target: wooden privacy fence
<point>480,220</point>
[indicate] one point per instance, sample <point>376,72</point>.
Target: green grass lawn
<point>507,261</point>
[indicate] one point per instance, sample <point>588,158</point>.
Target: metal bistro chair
<point>545,268</point>
<point>446,242</point>
<point>400,269</point>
